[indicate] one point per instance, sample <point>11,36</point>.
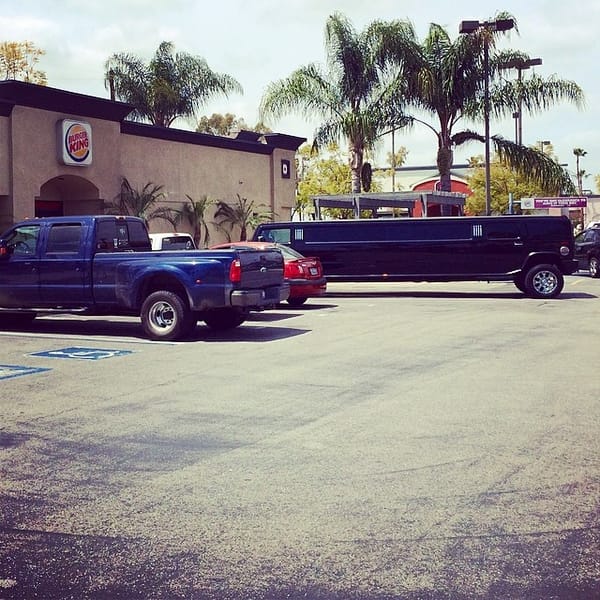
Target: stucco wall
<point>30,169</point>
<point>197,171</point>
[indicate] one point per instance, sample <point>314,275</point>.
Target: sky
<point>261,41</point>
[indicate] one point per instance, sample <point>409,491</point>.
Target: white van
<point>172,241</point>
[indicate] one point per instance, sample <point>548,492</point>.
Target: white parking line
<point>89,338</point>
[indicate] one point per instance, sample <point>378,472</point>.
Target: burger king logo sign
<point>75,143</point>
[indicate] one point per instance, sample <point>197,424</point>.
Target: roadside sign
<point>9,371</point>
<point>554,202</point>
<point>78,353</point>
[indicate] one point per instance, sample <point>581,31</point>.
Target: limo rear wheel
<point>544,281</point>
<point>594,267</point>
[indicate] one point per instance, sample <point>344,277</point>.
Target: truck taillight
<point>235,271</point>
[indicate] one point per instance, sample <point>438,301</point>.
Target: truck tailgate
<point>260,268</point>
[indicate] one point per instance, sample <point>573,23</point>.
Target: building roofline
<point>43,97</point>
<point>200,139</point>
<point>20,93</point>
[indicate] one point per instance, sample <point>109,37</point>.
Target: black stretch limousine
<point>532,251</point>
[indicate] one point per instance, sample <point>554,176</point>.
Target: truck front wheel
<point>544,281</point>
<point>165,316</point>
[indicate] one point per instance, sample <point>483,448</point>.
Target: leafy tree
<point>357,95</point>
<point>171,85</point>
<point>218,124</point>
<point>322,174</point>
<point>141,203</point>
<point>503,181</point>
<point>325,174</point>
<point>18,60</point>
<point>243,214</point>
<point>194,212</point>
<point>449,86</point>
<point>397,159</point>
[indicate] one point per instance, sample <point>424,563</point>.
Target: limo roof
<point>413,220</point>
<point>375,200</point>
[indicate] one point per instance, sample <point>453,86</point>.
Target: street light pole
<point>543,143</point>
<point>470,27</point>
<point>520,64</point>
<point>486,119</point>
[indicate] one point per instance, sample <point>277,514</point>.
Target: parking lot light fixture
<point>520,64</point>
<point>469,27</point>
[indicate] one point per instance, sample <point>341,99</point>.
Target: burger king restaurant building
<point>63,153</point>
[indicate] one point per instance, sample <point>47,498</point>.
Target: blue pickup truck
<point>104,265</point>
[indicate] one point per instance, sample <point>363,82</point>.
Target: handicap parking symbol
<point>8,371</point>
<point>78,353</point>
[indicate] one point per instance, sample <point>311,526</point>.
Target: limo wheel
<point>165,316</point>
<point>544,281</point>
<point>594,266</point>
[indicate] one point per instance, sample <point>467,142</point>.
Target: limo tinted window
<point>548,229</point>
<point>502,230</point>
<point>386,231</point>
<point>345,232</point>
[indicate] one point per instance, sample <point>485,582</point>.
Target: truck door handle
<point>518,243</point>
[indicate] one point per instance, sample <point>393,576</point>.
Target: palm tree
<point>243,214</point>
<point>141,203</point>
<point>449,86</point>
<point>194,213</point>
<point>171,85</point>
<point>353,95</point>
<point>579,154</point>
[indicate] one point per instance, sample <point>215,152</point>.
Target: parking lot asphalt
<point>388,441</point>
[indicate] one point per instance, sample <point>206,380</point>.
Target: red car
<point>304,274</point>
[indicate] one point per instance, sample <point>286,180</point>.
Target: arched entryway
<point>68,195</point>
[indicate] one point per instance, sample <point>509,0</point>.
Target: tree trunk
<point>356,163</point>
<point>444,164</point>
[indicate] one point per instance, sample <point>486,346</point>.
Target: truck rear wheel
<point>544,281</point>
<point>165,316</point>
<point>222,319</point>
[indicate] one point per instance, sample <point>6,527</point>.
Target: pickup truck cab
<point>104,265</point>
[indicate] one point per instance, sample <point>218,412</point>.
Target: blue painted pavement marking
<point>8,371</point>
<point>82,353</point>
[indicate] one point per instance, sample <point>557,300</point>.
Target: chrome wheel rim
<point>162,316</point>
<point>545,282</point>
